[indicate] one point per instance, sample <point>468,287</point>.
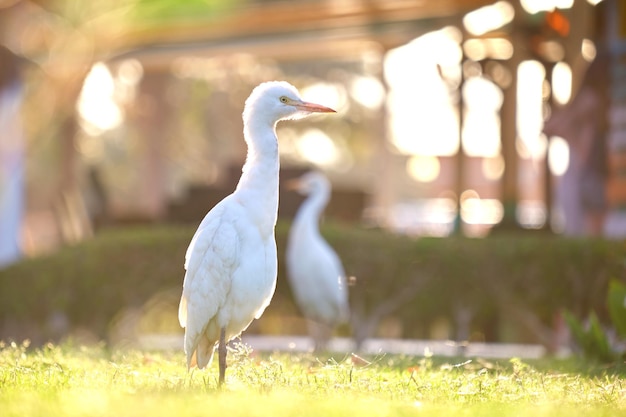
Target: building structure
<point>175,88</point>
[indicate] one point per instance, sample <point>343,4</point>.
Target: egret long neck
<point>309,214</point>
<point>258,184</point>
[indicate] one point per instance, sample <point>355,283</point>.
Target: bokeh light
<point>96,105</point>
<point>481,127</point>
<point>562,82</point>
<point>318,148</point>
<point>423,168</point>
<point>489,18</point>
<point>422,105</point>
<point>558,155</point>
<point>530,82</point>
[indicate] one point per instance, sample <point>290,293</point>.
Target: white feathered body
<point>226,285</point>
<point>231,263</point>
<point>315,272</point>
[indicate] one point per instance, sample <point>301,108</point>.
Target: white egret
<point>314,270</point>
<point>231,262</point>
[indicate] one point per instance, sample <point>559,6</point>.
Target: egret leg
<point>221,350</point>
<point>321,334</point>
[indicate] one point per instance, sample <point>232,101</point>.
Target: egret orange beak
<point>312,107</point>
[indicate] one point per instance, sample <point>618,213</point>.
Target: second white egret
<point>314,270</point>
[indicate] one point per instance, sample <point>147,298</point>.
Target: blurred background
<point>130,111</point>
<point>456,117</point>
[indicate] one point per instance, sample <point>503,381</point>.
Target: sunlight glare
<point>423,168</point>
<point>332,95</point>
<point>368,91</point>
<point>318,148</point>
<point>481,126</point>
<point>536,6</point>
<point>96,104</point>
<point>562,82</point>
<point>529,117</point>
<point>422,106</point>
<point>563,4</point>
<point>488,18</point>
<point>558,155</point>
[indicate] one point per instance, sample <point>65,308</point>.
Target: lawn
<point>72,380</point>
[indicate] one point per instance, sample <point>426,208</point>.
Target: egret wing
<point>210,261</point>
<point>334,284</point>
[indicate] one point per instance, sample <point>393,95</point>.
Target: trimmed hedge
<point>511,286</point>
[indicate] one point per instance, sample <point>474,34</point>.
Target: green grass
<point>71,380</point>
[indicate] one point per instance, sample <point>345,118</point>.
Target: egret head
<point>278,100</point>
<point>313,182</point>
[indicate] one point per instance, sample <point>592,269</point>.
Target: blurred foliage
<point>92,283</point>
<point>167,11</point>
<point>616,302</point>
<point>592,338</point>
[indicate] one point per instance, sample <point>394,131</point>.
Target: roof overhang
<point>295,30</point>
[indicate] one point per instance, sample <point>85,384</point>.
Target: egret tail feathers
<point>202,355</point>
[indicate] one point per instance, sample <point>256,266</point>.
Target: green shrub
<point>616,303</point>
<point>512,286</point>
<point>592,338</point>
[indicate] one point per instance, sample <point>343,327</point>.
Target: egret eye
<point>284,99</point>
